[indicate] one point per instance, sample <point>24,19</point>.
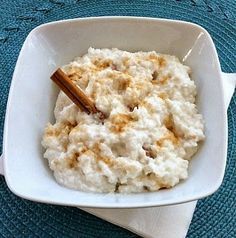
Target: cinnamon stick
<point>73,92</point>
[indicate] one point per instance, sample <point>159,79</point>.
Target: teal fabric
<point>215,216</point>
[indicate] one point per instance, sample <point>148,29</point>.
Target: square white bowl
<point>32,98</point>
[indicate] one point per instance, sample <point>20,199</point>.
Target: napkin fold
<point>154,222</point>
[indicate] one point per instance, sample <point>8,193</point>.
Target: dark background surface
<point>215,216</point>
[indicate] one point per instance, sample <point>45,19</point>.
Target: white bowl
<point>32,98</point>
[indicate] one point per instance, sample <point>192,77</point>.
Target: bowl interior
<point>32,98</point>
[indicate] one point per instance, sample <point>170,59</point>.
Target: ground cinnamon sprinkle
<point>150,127</point>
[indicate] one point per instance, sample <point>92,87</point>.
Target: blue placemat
<point>215,216</point>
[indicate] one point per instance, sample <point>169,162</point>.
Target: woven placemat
<point>215,216</point>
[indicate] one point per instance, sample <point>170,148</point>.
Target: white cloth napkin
<point>155,222</point>
<point>160,222</point>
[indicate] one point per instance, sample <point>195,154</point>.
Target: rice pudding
<point>151,130</point>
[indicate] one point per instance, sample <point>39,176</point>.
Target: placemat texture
<point>215,216</point>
